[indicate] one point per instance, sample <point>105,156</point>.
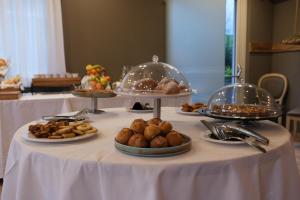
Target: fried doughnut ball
<point>138,126</point>
<point>124,135</point>
<point>154,121</point>
<point>174,138</point>
<point>159,142</point>
<point>151,132</point>
<point>165,127</point>
<point>139,120</point>
<point>137,140</point>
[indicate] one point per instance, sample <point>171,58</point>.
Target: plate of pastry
<point>192,109</point>
<point>140,108</point>
<point>59,131</point>
<point>152,138</point>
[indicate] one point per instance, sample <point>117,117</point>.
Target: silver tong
<point>76,117</point>
<point>237,129</point>
<point>248,132</point>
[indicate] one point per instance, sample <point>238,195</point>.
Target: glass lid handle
<point>155,58</point>
<point>238,76</point>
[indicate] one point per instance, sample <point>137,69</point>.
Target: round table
<point>93,169</point>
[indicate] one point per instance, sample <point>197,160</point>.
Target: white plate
<point>29,137</point>
<point>206,136</point>
<point>179,111</point>
<point>139,111</point>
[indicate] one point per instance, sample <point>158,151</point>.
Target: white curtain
<point>31,37</point>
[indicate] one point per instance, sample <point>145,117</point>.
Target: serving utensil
<point>222,135</point>
<point>80,115</point>
<point>247,132</point>
<point>211,127</point>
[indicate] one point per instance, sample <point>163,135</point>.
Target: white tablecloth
<point>93,169</point>
<point>15,113</point>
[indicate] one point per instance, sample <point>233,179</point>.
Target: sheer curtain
<point>31,37</point>
<point>196,32</point>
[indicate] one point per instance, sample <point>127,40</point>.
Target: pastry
<point>171,88</point>
<point>174,139</point>
<point>151,132</point>
<point>159,142</point>
<point>137,140</point>
<point>124,135</point>
<point>138,126</point>
<point>154,121</point>
<point>145,84</point>
<point>165,127</point>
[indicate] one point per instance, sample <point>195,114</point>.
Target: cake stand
<point>94,95</point>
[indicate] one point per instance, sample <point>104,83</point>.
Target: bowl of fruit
<point>96,83</point>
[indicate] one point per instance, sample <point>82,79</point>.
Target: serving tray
<point>156,152</point>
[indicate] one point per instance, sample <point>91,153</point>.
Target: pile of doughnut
<point>153,133</point>
<point>61,129</point>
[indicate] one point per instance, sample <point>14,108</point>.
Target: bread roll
<point>159,142</point>
<point>174,138</point>
<point>124,135</point>
<point>165,127</point>
<point>137,140</point>
<point>138,127</point>
<point>153,121</point>
<point>151,132</point>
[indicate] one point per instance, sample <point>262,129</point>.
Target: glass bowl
<point>242,101</point>
<point>154,78</point>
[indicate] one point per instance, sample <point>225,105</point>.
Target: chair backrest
<point>276,84</point>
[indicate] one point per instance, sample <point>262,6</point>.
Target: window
<point>31,37</point>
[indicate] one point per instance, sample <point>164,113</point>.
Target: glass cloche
<point>242,101</point>
<point>154,78</point>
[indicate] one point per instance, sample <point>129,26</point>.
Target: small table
<point>94,169</point>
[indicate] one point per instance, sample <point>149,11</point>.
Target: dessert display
<point>61,129</point>
<point>154,78</point>
<point>242,101</point>
<point>153,133</point>
<point>96,84</point>
<point>96,78</point>
<point>3,68</point>
<point>13,82</point>
<point>193,107</point>
<point>241,110</point>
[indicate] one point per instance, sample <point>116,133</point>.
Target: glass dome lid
<point>242,101</point>
<point>154,78</point>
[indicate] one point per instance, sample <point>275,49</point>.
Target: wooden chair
<point>277,85</point>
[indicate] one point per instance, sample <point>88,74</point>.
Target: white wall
<point>195,41</point>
